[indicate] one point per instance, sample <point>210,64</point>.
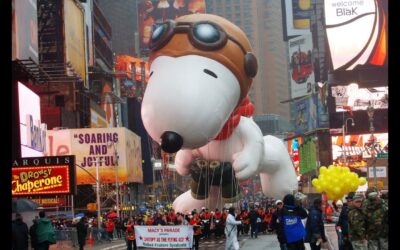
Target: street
<point>264,241</point>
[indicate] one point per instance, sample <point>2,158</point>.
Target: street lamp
<point>344,129</point>
<point>111,143</point>
<point>97,179</point>
<point>98,193</point>
<point>370,112</point>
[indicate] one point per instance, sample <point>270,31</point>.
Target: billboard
<point>96,119</point>
<point>355,98</point>
<point>152,11</point>
<point>25,30</point>
<point>356,149</point>
<point>301,67</point>
<point>32,131</point>
<point>114,150</point>
<point>305,116</point>
<point>311,113</point>
<point>356,32</point>
<point>297,17</point>
<point>107,104</point>
<point>307,156</point>
<point>132,87</point>
<point>43,176</point>
<point>74,33</point>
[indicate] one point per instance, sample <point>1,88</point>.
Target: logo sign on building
<point>359,98</point>
<point>302,77</point>
<point>32,131</point>
<point>356,32</point>
<point>380,172</point>
<point>43,176</point>
<point>156,11</point>
<point>297,17</point>
<point>166,237</point>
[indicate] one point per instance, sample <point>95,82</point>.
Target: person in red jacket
<point>171,217</point>
<point>197,225</point>
<point>246,221</point>
<point>267,219</point>
<point>110,226</point>
<point>219,224</point>
<point>205,216</point>
<point>130,234</point>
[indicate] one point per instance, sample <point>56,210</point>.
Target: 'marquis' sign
<point>43,176</point>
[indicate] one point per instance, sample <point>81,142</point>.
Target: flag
<point>348,108</point>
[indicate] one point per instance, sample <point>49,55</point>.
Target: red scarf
<point>246,109</point>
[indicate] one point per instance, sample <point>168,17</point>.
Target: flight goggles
<point>203,35</point>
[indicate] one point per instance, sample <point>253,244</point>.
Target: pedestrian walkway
<point>105,245</point>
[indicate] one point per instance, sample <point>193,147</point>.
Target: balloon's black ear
<point>250,64</point>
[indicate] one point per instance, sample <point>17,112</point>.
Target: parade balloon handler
<point>196,105</point>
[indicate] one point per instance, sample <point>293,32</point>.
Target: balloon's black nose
<point>171,142</point>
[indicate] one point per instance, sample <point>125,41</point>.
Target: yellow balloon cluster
<point>337,181</point>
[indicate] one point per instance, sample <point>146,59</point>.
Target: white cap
<point>203,208</point>
<point>278,201</point>
<point>339,203</point>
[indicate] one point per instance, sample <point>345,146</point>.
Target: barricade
<point>66,238</point>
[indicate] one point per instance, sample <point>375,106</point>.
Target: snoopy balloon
<point>196,104</point>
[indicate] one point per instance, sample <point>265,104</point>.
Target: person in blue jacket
<point>289,221</point>
<point>315,231</point>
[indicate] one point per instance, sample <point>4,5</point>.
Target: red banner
<point>50,202</point>
<point>40,180</point>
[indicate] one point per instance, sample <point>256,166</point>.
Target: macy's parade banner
<point>164,236</point>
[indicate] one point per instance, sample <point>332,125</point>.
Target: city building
<point>262,23</point>
<point>122,17</point>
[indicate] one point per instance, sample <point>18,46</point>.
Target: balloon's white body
<point>181,97</point>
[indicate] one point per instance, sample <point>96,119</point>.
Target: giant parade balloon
<point>196,105</point>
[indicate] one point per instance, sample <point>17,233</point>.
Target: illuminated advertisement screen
<point>356,149</point>
<point>75,37</point>
<point>356,32</point>
<point>307,156</point>
<point>43,176</point>
<point>151,11</point>
<point>32,131</point>
<point>355,98</point>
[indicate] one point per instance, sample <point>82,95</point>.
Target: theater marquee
<point>43,176</point>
